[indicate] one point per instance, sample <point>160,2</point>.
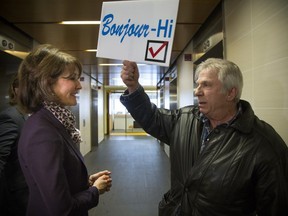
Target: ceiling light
<point>91,50</point>
<point>120,64</point>
<point>80,22</point>
<point>111,64</point>
<point>18,54</point>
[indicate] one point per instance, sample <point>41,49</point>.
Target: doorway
<point>120,120</point>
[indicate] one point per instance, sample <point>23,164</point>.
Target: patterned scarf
<point>66,118</point>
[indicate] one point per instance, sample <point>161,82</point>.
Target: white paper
<point>140,31</point>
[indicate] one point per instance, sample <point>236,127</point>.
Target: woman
<point>49,144</point>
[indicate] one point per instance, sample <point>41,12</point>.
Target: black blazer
<point>14,190</point>
<point>54,169</point>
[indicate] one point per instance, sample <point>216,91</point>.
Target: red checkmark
<point>158,50</point>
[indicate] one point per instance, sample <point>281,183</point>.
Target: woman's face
<point>66,88</point>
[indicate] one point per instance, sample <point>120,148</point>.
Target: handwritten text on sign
<point>131,29</point>
<point>138,34</point>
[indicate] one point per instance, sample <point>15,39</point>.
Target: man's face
<point>212,101</point>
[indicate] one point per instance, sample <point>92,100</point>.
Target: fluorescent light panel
<point>80,22</point>
<point>120,64</point>
<point>18,54</point>
<point>91,50</point>
<point>108,64</point>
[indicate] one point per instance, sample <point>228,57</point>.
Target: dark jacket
<point>14,190</point>
<point>242,172</point>
<point>54,169</point>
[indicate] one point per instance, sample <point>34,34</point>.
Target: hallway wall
<point>85,114</point>
<point>101,113</point>
<point>185,85</point>
<point>256,36</point>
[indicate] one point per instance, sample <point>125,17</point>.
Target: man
<point>13,188</point>
<point>224,160</point>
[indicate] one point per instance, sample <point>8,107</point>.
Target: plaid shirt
<point>207,127</point>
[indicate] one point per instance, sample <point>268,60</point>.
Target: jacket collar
<point>243,123</point>
<point>65,134</point>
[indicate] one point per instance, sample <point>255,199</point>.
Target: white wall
<point>101,118</point>
<point>256,38</point>
<point>166,106</point>
<point>185,85</point>
<point>85,115</point>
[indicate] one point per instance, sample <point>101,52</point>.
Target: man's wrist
<point>133,89</point>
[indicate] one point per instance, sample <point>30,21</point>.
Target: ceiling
<point>39,19</point>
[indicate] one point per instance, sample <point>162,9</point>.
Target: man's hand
<point>130,75</point>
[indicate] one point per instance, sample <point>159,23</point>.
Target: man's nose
<point>197,90</point>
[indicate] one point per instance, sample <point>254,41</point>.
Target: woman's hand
<point>101,180</point>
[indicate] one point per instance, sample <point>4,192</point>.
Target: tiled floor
<point>140,172</point>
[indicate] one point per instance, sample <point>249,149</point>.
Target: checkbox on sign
<point>156,51</point>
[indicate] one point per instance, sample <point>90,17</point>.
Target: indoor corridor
<point>140,172</point>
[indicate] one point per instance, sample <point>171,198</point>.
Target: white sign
<point>140,31</point>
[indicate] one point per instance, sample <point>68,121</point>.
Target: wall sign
<point>140,31</point>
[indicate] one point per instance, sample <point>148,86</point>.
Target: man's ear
<point>231,94</point>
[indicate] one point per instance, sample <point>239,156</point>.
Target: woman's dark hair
<point>39,71</point>
<point>13,91</point>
